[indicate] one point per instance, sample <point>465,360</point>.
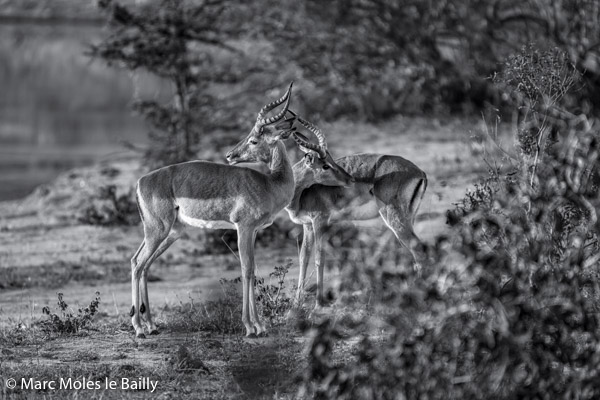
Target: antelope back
<point>379,179</point>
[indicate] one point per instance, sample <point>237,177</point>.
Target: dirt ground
<point>44,250</point>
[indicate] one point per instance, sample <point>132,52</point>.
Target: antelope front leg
<point>260,328</point>
<point>145,306</point>
<point>308,240</point>
<point>135,302</point>
<point>319,227</point>
<point>245,240</point>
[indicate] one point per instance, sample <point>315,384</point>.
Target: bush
<point>66,322</point>
<point>107,208</point>
<point>508,309</point>
<point>509,306</point>
<point>273,300</point>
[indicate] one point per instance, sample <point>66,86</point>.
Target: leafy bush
<point>508,308</point>
<point>109,209</point>
<point>194,46</point>
<point>273,300</point>
<point>66,322</point>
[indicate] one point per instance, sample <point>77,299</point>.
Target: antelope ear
<point>286,134</point>
<point>270,139</point>
<point>285,124</point>
<point>309,157</point>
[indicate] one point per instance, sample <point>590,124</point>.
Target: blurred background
<point>79,78</point>
<point>58,109</point>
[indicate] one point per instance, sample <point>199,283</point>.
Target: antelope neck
<point>300,186</point>
<point>281,169</point>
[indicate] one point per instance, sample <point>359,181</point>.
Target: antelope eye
<point>253,141</point>
<point>325,166</point>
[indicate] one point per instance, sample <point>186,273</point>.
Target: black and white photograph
<point>300,199</point>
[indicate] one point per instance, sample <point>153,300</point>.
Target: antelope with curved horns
<point>387,186</point>
<point>317,166</point>
<point>215,196</point>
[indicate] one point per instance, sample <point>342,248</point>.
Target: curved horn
<point>260,120</point>
<point>302,141</point>
<point>314,130</point>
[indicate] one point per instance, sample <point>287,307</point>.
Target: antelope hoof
<point>263,334</point>
<point>251,335</point>
<point>259,329</point>
<point>154,332</point>
<point>141,336</point>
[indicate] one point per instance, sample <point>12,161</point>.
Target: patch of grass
<point>15,335</point>
<point>60,273</point>
<point>223,315</point>
<point>185,367</point>
<point>188,361</point>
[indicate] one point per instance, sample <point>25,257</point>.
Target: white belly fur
<point>200,223</point>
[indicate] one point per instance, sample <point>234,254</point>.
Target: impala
<point>215,196</point>
<point>209,195</point>
<point>386,186</point>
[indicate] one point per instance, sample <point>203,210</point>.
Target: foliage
<point>539,77</point>
<point>375,58</point>
<point>66,322</point>
<point>14,334</point>
<point>182,42</point>
<point>273,300</point>
<point>509,306</point>
<point>368,59</point>
<point>109,209</point>
<point>517,319</point>
<point>481,197</point>
<point>538,82</point>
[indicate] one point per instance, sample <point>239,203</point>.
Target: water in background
<point>59,108</point>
